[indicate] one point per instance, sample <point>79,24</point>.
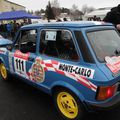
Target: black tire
<point>77,103</point>
<point>3,72</point>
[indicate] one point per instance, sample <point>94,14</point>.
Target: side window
<point>59,44</point>
<point>83,47</point>
<point>26,41</point>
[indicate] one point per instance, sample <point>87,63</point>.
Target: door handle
<point>31,59</point>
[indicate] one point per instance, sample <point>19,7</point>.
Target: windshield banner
<point>113,63</point>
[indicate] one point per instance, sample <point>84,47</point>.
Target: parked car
<point>78,63</point>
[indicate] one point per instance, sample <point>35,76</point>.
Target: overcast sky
<point>38,4</point>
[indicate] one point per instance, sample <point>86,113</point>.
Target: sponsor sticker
<point>113,63</point>
<point>77,73</point>
<point>36,73</point>
<point>82,71</point>
<point>19,54</point>
<point>50,36</point>
<point>20,62</point>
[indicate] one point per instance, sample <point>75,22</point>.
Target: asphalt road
<point>19,101</point>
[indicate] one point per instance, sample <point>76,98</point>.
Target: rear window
<point>104,43</point>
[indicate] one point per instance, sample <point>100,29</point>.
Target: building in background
<point>6,5</point>
<point>99,13</point>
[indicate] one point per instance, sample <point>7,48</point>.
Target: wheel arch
<point>2,61</point>
<point>67,86</point>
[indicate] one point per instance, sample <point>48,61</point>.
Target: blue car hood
<point>4,42</point>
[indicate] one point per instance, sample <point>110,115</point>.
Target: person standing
<point>9,29</point>
<point>114,17</point>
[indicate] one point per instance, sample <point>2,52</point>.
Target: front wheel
<point>3,72</point>
<point>68,105</point>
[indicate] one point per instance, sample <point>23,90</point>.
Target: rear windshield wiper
<point>117,52</point>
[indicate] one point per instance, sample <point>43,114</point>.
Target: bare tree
<point>74,8</point>
<point>75,13</point>
<point>90,9</point>
<point>55,3</point>
<point>56,7</point>
<point>86,9</point>
<point>37,12</point>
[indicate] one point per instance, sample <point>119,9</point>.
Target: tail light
<point>105,92</point>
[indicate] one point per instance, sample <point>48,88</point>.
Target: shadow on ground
<point>19,101</point>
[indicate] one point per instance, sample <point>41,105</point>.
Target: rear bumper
<point>104,105</point>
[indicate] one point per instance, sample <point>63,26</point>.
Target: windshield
<point>105,43</point>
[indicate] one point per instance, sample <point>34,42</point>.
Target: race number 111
<point>20,65</point>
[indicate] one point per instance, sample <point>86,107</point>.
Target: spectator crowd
<point>8,30</point>
<point>94,18</point>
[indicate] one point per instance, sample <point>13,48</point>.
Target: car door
<point>23,52</point>
<point>57,50</point>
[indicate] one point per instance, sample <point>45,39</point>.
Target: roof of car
<point>69,24</point>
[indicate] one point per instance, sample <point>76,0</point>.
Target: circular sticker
<point>38,71</point>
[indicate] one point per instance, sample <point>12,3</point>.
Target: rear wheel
<point>68,105</point>
<point>3,72</point>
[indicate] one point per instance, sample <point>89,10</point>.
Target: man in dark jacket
<point>114,17</point>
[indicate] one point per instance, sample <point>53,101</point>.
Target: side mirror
<point>9,47</point>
